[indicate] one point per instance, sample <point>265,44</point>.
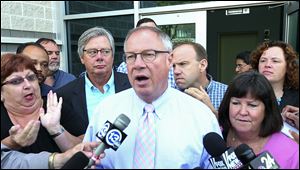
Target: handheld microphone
<point>78,161</point>
<point>251,161</point>
<point>222,157</point>
<point>111,135</point>
<point>215,146</point>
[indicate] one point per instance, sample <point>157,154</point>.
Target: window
<point>79,7</point>
<point>117,25</point>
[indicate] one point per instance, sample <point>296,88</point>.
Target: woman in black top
<point>277,61</point>
<point>24,124</point>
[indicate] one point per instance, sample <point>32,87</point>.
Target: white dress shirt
<point>182,123</point>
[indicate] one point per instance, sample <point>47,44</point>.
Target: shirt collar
<point>55,74</point>
<point>106,87</point>
<point>209,86</point>
<point>157,103</point>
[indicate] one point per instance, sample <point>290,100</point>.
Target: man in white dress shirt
<point>180,121</point>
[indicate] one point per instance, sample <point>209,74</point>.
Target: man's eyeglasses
<point>147,56</point>
<point>19,80</point>
<point>93,52</point>
<point>55,52</point>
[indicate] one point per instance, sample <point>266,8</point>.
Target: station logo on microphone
<point>111,135</point>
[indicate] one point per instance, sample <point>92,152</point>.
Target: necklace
<point>257,145</point>
<point>233,140</point>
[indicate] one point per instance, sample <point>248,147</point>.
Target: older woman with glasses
<point>22,111</point>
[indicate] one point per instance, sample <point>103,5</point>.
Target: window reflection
<point>79,7</point>
<point>180,32</point>
<point>118,26</point>
<point>293,33</point>
<point>148,4</point>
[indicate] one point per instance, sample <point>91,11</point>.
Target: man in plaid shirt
<point>190,64</point>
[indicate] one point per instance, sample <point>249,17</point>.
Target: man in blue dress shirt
<point>56,77</point>
<point>179,121</point>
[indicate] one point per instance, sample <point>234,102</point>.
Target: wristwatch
<point>58,133</point>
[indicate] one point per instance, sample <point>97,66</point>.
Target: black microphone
<point>215,146</point>
<point>222,156</point>
<point>111,135</point>
<point>263,161</point>
<point>78,161</point>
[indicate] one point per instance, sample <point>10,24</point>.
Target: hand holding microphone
<point>73,158</point>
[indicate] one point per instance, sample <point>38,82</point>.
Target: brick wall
<point>27,15</point>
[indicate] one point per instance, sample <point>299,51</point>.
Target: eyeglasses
<point>19,80</point>
<point>239,66</point>
<point>55,52</point>
<point>93,52</point>
<point>147,56</point>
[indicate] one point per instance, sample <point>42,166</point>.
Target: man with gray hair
<point>96,50</point>
<point>167,126</point>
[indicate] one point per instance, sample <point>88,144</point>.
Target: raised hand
<point>51,120</point>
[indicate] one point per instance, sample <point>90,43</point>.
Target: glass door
<point>188,26</point>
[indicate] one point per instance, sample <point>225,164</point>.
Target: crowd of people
<point>172,102</point>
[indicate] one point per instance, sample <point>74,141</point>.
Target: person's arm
<point>11,159</point>
<point>51,121</point>
<point>87,148</point>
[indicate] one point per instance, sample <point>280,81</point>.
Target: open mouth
<point>29,96</point>
<point>141,78</point>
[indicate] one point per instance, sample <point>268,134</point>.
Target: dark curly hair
<point>291,57</point>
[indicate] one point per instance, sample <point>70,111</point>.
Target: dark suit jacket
<point>74,97</point>
<point>290,97</point>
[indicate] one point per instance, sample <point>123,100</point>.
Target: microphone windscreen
<point>244,153</point>
<point>122,121</point>
<point>214,144</point>
<point>78,161</point>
